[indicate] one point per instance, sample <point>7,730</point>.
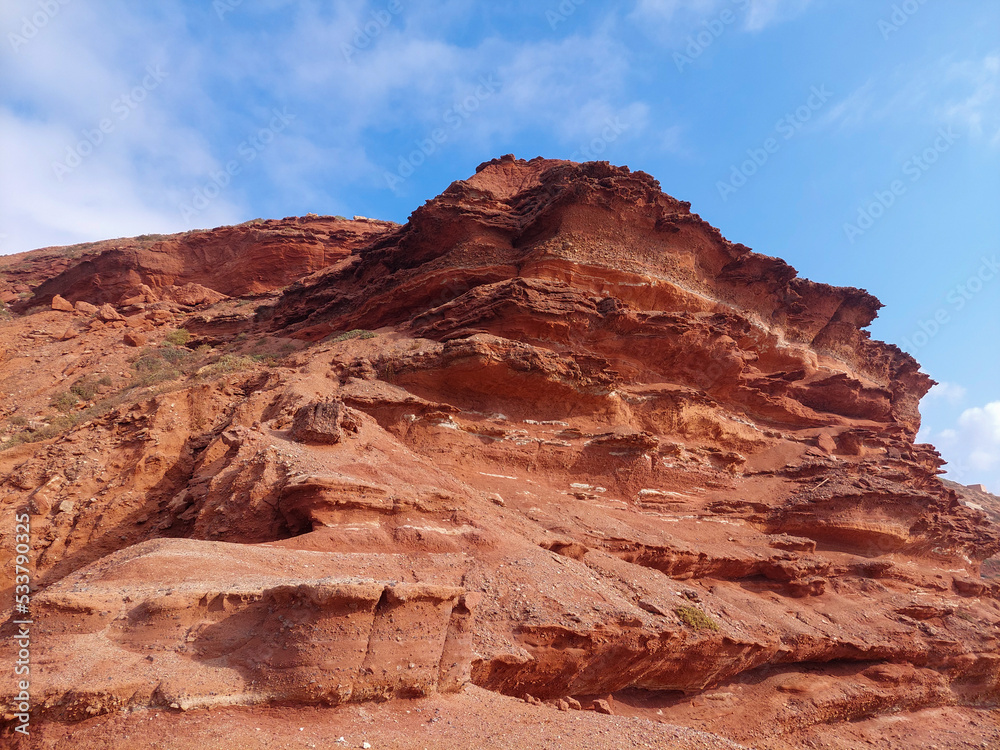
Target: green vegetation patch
<point>87,390</point>
<point>357,333</point>
<point>157,365</point>
<point>153,366</point>
<point>180,337</point>
<point>695,618</point>
<point>55,426</point>
<point>233,363</point>
<point>64,401</point>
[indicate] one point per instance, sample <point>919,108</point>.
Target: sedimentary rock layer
<point>555,437</point>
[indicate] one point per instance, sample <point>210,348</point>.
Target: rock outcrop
<point>555,438</point>
<point>203,266</point>
<point>261,627</point>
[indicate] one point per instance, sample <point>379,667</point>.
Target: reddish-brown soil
<point>552,465</point>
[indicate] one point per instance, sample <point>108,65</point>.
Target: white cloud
<point>403,81</point>
<point>408,80</point>
<point>972,446</point>
<point>950,392</point>
<point>99,134</point>
<point>982,424</point>
<point>107,196</point>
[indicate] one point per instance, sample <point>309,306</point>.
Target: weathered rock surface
<point>321,422</point>
<point>199,267</point>
<point>555,437</point>
<point>262,626</point>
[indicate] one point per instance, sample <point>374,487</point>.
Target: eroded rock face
<point>567,442</point>
<point>263,626</point>
<point>556,252</point>
<point>202,266</point>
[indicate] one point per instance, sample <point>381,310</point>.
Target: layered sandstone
<point>199,266</point>
<point>555,438</point>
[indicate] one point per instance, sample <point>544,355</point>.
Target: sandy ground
<point>474,720</point>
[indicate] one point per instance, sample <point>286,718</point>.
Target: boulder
<point>61,304</point>
<point>135,338</point>
<point>108,314</point>
<point>602,707</point>
<point>318,422</point>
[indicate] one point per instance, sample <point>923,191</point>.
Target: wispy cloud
<point>952,393</point>
<point>963,93</point>
<point>101,137</point>
<point>764,13</point>
<point>674,19</point>
<point>223,82</point>
<point>667,10</point>
<point>113,198</point>
<point>540,88</point>
<point>855,109</point>
<point>977,106</point>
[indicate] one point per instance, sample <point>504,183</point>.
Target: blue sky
<point>857,139</point>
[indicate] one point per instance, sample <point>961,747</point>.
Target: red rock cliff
<point>555,438</point>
